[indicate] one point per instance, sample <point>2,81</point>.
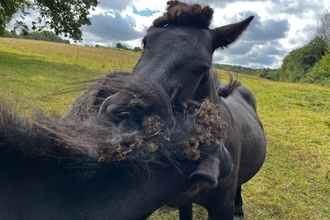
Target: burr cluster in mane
<point>184,14</point>
<point>159,130</point>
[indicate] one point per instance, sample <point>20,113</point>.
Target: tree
<point>120,46</point>
<point>298,62</point>
<point>63,16</point>
<point>320,73</point>
<point>323,29</point>
<point>137,49</point>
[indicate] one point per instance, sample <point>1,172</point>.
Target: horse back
<point>245,126</point>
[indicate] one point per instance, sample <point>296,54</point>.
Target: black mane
<point>89,138</point>
<point>185,14</point>
<point>226,89</point>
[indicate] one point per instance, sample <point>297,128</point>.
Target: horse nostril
<point>117,115</point>
<point>115,108</point>
<point>111,111</point>
<point>124,115</point>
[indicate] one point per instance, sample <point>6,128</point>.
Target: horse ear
<point>225,35</point>
<point>208,170</point>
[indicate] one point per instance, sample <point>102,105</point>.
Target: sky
<point>279,26</point>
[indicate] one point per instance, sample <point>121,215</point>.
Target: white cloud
<point>278,27</point>
<point>151,5</point>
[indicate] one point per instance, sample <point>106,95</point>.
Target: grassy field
<point>36,70</point>
<point>294,182</point>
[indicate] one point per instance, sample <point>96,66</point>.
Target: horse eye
<point>203,70</point>
<point>144,43</point>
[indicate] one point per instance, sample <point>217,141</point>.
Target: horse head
<point>177,56</point>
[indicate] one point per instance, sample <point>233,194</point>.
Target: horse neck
<point>208,87</point>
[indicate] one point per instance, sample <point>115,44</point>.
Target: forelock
<point>185,14</point>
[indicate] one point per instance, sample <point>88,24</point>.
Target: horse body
<point>178,56</point>
<point>250,133</point>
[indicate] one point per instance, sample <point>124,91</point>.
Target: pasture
<point>294,182</point>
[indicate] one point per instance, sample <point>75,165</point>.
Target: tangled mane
<point>184,14</point>
<point>86,137</point>
<point>90,100</point>
<point>226,89</point>
<point>160,130</point>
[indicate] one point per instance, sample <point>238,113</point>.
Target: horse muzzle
<point>114,108</point>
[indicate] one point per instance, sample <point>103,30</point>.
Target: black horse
<point>167,134</point>
<point>177,55</point>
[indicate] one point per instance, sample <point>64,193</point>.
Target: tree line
<point>135,49</point>
<point>268,73</point>
<point>121,47</point>
<point>36,35</point>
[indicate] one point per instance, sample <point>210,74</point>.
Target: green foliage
<point>320,73</point>
<point>323,29</point>
<point>11,34</point>
<point>137,49</point>
<point>36,35</point>
<point>63,16</point>
<point>235,68</point>
<point>120,46</point>
<point>298,62</point>
<point>44,36</point>
<point>267,73</point>
<point>7,9</point>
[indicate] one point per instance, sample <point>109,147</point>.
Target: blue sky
<point>145,12</point>
<point>279,26</point>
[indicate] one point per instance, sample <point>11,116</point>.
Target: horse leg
<point>226,210</point>
<point>239,203</point>
<point>185,212</point>
<point>226,213</point>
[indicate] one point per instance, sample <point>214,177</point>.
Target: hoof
<point>238,217</point>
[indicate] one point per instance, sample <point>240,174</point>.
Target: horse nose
<point>117,115</point>
<point>106,103</point>
<point>111,108</point>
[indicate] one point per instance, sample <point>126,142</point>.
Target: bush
<point>320,73</point>
<point>299,62</point>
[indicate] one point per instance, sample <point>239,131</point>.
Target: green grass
<point>35,70</point>
<point>294,182</point>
